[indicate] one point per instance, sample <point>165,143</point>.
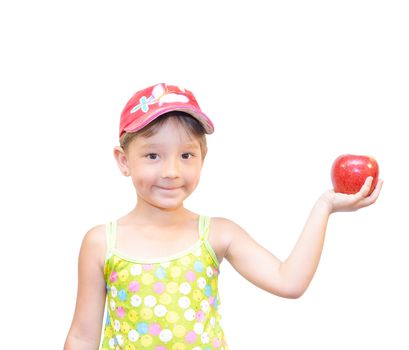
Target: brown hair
<point>192,126</point>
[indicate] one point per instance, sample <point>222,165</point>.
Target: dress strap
<point>111,237</point>
<point>204,227</point>
<point>204,224</point>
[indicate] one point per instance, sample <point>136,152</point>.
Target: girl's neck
<point>143,213</point>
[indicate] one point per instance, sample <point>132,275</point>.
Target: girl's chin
<point>164,203</point>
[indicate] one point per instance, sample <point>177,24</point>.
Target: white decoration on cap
<point>169,98</point>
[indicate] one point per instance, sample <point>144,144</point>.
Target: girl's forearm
<point>299,268</point>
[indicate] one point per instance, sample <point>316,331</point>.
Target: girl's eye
<point>152,156</point>
<point>187,155</point>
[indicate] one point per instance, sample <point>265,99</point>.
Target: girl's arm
<point>291,278</point>
<point>85,331</point>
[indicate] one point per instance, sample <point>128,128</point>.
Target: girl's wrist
<point>325,202</point>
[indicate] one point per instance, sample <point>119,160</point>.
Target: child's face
<point>165,167</point>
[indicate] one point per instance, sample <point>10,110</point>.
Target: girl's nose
<point>170,169</point>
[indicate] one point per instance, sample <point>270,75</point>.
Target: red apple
<point>350,171</point>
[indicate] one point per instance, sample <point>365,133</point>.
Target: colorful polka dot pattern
<point>169,304</point>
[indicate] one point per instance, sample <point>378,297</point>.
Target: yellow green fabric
<point>168,303</point>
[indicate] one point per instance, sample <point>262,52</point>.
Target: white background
<point>289,85</point>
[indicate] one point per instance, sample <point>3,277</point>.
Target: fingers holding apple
<point>366,189</point>
<point>366,196</point>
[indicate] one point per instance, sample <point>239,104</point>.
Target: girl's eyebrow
<point>151,145</point>
<point>191,145</point>
<point>158,145</point>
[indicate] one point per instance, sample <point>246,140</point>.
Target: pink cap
<point>148,104</point>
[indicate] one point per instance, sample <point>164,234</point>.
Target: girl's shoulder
<point>94,243</point>
<point>221,233</point>
<point>223,227</point>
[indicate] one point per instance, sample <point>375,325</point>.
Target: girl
<point>157,267</point>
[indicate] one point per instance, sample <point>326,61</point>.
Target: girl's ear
<point>121,160</point>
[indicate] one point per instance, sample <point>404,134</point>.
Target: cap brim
<point>200,116</point>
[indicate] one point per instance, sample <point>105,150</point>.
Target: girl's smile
<point>168,189</point>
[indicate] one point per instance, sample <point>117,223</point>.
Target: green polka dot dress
<point>169,303</point>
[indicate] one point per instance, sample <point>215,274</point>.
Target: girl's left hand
<point>351,202</point>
